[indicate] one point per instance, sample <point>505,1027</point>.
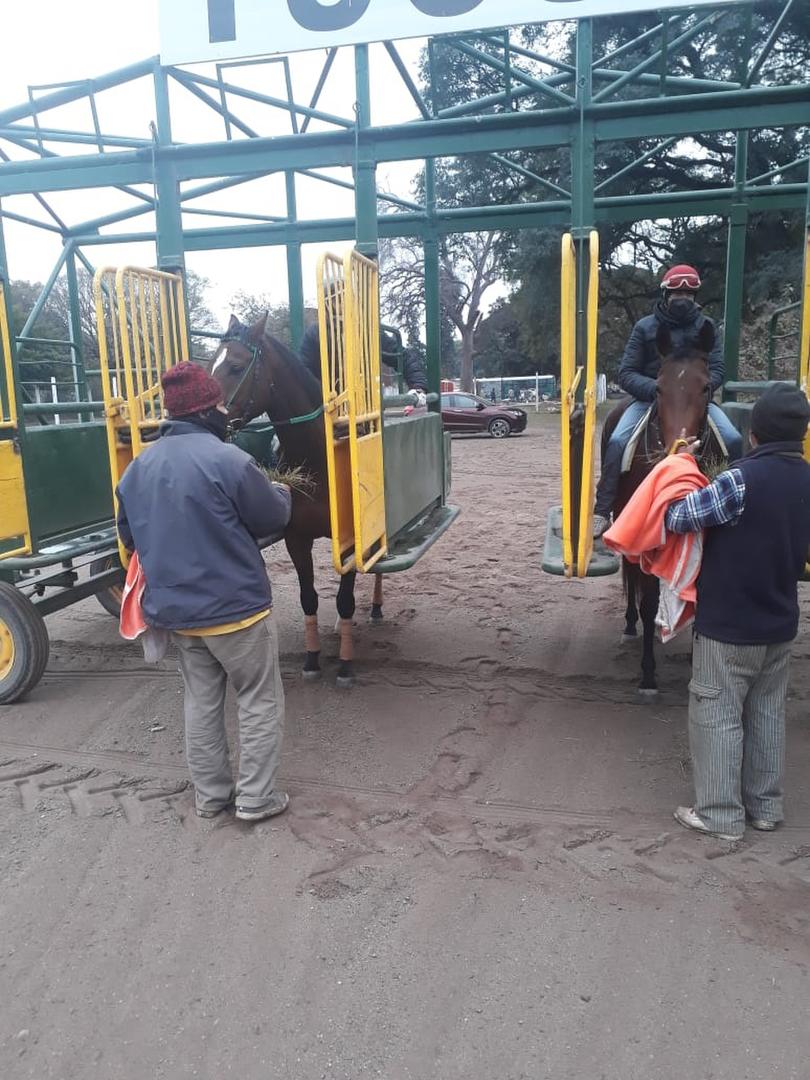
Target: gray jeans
<point>249,658</point>
<point>737,731</point>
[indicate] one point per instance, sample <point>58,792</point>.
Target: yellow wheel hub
<point>6,650</point>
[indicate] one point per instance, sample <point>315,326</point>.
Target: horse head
<point>239,369</point>
<point>684,388</point>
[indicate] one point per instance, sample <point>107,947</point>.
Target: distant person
<point>492,396</point>
<point>414,373</point>
<point>679,311</point>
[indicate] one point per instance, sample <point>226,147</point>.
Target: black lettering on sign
<point>443,9</point>
<point>221,20</point>
<point>313,15</point>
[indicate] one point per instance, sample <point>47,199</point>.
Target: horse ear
<point>706,337</point>
<point>233,325</point>
<point>663,340</point>
<point>257,330</point>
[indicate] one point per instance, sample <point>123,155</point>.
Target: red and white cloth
<point>640,534</point>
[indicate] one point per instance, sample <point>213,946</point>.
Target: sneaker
<point>278,803</point>
<point>601,524</point>
<point>215,811</point>
<point>762,825</point>
<point>686,816</point>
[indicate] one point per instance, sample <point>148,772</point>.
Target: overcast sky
<point>54,41</point>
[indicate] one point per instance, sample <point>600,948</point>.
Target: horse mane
<point>294,364</point>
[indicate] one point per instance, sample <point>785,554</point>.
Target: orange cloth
<point>131,622</point>
<point>640,534</point>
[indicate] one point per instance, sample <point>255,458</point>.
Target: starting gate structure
<point>568,126</point>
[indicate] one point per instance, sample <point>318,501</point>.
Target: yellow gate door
<point>142,332</point>
<point>15,533</point>
<point>349,319</point>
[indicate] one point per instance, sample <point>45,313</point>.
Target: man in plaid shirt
<point>756,518</point>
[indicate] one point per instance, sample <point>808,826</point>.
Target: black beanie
<point>780,415</point>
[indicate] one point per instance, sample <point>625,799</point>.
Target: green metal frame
<point>542,102</point>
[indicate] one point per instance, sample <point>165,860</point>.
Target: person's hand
<point>418,397</point>
<point>688,444</point>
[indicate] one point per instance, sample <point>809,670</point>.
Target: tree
<point>633,253</point>
<point>469,265</point>
<point>250,307</point>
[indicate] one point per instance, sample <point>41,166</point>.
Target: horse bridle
<point>703,437</point>
<point>242,337</point>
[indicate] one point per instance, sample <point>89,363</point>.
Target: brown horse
<point>259,374</point>
<point>681,409</point>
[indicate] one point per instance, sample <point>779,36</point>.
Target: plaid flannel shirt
<point>721,503</point>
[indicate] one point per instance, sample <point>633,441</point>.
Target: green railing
<point>777,335</point>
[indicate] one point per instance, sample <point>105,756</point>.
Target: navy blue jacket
<point>414,373</point>
<point>641,362</point>
<point>746,592</point>
<point>195,509</point>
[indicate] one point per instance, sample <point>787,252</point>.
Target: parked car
<point>467,412</point>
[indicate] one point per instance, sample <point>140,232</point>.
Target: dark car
<point>466,412</point>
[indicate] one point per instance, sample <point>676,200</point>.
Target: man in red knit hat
<point>197,510</point>
<point>679,311</point>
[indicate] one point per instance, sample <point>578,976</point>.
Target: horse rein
<point>677,444</point>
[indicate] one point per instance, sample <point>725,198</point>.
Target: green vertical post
<point>737,229</point>
<point>168,213</point>
<point>433,308</point>
<point>15,389</point>
<point>295,283</point>
<point>365,175</point>
<point>74,311</point>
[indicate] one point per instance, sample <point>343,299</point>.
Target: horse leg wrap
<point>311,637</point>
<point>346,639</point>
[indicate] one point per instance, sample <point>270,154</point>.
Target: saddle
<point>641,427</point>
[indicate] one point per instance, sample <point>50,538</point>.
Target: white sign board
<point>192,31</point>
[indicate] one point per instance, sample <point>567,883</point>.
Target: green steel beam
<point>295,277</point>
<point>77,91</point>
<point>757,107</point>
<point>168,214</point>
<point>365,174</point>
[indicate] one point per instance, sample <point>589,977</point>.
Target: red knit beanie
<point>188,388</point>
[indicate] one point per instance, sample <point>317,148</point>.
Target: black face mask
<point>213,420</point>
<point>682,310</point>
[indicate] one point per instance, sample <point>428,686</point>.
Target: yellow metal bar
<point>14,520</point>
<point>804,347</point>
<point>362,336</point>
<point>585,546</point>
<point>569,380</point>
<point>142,333</point>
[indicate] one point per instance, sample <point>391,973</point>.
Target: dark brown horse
<point>681,409</point>
<point>259,374</point>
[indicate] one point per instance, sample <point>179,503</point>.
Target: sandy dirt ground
<point>479,876</point>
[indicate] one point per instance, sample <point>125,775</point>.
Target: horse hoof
<point>375,619</point>
<point>311,676</point>
<point>647,693</point>
<point>345,682</point>
<point>627,638</point>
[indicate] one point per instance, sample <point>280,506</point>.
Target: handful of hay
<point>297,479</point>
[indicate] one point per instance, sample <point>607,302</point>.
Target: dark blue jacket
<point>195,509</point>
<point>641,362</point>
<point>746,592</point>
<point>413,373</point>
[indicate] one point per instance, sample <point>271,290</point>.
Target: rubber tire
<point>497,426</point>
<point>110,598</point>
<point>31,644</point>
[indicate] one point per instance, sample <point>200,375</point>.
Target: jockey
<point>414,373</point>
<point>638,372</point>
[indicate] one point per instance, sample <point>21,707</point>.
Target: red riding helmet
<point>681,277</point>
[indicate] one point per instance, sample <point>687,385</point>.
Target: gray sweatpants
<point>737,731</point>
<point>249,658</point>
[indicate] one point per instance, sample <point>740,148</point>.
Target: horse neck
<point>291,394</point>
